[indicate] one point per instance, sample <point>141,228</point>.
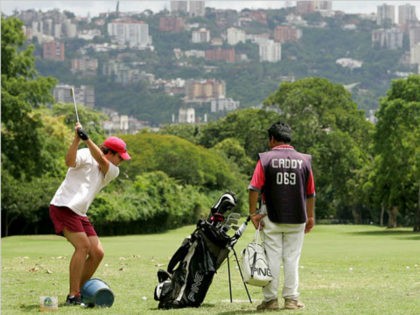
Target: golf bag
<point>191,269</point>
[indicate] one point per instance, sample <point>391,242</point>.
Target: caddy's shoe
<point>290,304</point>
<point>271,305</point>
<point>74,300</point>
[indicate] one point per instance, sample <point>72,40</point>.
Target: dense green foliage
<point>397,145</point>
<point>363,172</point>
<point>21,91</point>
<point>328,125</point>
<point>153,202</point>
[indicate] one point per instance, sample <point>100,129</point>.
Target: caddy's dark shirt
<point>288,181</point>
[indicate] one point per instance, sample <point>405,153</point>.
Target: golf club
<point>82,134</point>
<point>75,105</point>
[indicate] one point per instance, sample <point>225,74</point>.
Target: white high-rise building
<point>269,51</point>
<point>415,55</point>
<point>200,36</point>
<point>406,14</point>
<point>197,8</point>
<point>186,115</point>
<point>130,33</point>
<point>385,14</point>
<point>179,6</point>
<point>235,36</point>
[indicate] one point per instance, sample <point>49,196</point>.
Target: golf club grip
<point>82,134</point>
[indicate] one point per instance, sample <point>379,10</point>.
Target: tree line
<point>364,172</point>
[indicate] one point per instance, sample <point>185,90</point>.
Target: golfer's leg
<point>81,245</point>
<point>96,253</point>
<point>293,242</point>
<point>273,248</point>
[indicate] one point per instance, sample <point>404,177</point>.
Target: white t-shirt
<point>82,183</point>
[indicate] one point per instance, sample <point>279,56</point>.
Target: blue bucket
<point>96,292</point>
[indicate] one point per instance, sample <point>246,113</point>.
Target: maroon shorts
<point>63,217</point>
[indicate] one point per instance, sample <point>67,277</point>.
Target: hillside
<point>323,41</point>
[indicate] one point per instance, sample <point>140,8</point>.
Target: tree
<point>397,144</point>
<point>21,91</point>
<point>327,124</point>
<point>182,160</point>
<point>248,126</point>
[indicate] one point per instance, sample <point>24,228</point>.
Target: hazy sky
<point>94,7</point>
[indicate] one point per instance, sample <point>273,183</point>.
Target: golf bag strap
<point>179,255</point>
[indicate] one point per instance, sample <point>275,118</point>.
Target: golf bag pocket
<point>255,268</point>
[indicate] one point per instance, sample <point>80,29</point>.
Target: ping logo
<point>261,271</point>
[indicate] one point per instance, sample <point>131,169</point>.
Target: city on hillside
<point>191,63</point>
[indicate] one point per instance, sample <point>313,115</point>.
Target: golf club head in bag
<point>226,202</point>
<point>234,239</point>
<point>231,222</point>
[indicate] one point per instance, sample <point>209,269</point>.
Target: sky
<point>94,7</point>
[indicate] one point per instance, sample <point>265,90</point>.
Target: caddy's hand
<point>257,220</point>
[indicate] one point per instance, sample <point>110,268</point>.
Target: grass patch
<point>344,270</point>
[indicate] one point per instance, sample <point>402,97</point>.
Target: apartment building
<point>220,54</point>
<point>388,38</point>
<point>414,36</point>
<point>122,124</point>
<point>84,94</point>
<point>204,90</point>
<point>223,105</point>
<point>173,24</point>
<point>305,7</point>
<point>179,6</point>
<point>285,33</point>
<point>130,33</point>
<point>190,7</point>
<point>53,50</point>
<point>235,35</point>
<point>196,8</point>
<point>200,36</point>
<point>385,15</point>
<point>269,51</point>
<point>415,56</point>
<point>186,115</point>
<point>85,65</point>
<point>406,14</point>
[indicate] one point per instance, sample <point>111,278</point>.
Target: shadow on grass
<point>209,307</point>
<point>30,308</point>
<point>401,234</point>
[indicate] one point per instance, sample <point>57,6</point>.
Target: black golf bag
<point>191,269</point>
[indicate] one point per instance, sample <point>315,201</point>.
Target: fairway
<point>344,269</point>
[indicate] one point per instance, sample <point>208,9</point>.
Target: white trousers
<point>283,245</point>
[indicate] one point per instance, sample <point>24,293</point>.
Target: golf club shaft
<point>75,105</point>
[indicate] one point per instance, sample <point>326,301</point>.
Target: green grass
<point>344,270</point>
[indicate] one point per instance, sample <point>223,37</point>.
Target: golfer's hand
<point>257,221</point>
<point>80,132</point>
<point>77,127</point>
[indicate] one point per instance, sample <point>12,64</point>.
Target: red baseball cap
<point>118,145</point>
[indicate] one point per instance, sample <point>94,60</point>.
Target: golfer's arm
<point>72,152</point>
<point>98,155</point>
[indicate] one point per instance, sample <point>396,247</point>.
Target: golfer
<point>90,169</point>
<point>284,178</point>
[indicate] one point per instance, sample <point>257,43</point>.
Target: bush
<point>154,202</point>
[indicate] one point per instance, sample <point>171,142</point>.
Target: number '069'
<point>286,178</point>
